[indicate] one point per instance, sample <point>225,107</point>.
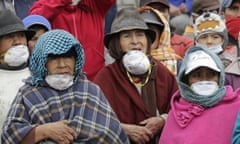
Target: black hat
<point>10,23</point>
<point>128,19</point>
<point>160,2</point>
<point>151,18</point>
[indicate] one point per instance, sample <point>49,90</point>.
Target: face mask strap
<point>140,84</point>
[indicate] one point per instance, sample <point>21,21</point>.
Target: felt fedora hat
<point>10,23</point>
<point>158,2</point>
<point>128,19</point>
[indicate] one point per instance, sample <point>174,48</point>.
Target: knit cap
<point>210,23</point>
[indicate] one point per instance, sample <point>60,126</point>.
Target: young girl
<point>203,110</point>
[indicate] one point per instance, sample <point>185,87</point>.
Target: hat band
<point>11,28</point>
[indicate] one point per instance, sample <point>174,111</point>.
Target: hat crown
<point>10,22</point>
<point>200,6</point>
<point>128,19</point>
<point>7,17</point>
<point>151,18</point>
<point>160,2</point>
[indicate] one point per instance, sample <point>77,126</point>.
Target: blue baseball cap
<point>36,19</point>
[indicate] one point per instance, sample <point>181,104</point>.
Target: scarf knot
<point>185,117</point>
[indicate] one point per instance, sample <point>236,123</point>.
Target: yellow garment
<point>188,30</point>
<point>164,52</point>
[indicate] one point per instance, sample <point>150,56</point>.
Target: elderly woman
<point>203,111</point>
<point>14,55</point>
<point>58,103</point>
<point>137,86</point>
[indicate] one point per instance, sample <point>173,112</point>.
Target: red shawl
<point>124,97</point>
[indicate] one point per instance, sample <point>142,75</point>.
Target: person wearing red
<point>82,18</point>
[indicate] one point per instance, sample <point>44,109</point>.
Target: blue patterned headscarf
<point>54,42</point>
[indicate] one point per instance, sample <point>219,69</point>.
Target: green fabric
<point>186,91</point>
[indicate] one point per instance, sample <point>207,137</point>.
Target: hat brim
<point>17,28</point>
<point>148,21</point>
<point>215,68</point>
<point>211,8</point>
<point>109,36</point>
<point>151,18</point>
<point>157,2</point>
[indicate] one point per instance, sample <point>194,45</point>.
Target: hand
<point>174,11</point>
<point>154,124</point>
<point>138,134</point>
<point>60,132</point>
<point>75,2</point>
<point>183,8</point>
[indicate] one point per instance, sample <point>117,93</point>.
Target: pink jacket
<point>85,22</point>
<point>189,123</point>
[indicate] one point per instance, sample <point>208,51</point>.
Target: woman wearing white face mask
<point>203,111</point>
<point>58,104</point>
<point>137,86</point>
<point>14,55</point>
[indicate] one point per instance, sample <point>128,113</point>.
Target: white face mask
<point>59,81</point>
<point>215,49</point>
<point>205,88</point>
<point>75,2</point>
<point>17,55</point>
<point>136,62</point>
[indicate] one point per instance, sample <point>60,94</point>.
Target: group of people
<point>56,89</point>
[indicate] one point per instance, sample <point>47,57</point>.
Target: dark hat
<point>151,18</point>
<point>128,19</point>
<point>200,6</point>
<point>10,23</point>
<point>226,4</point>
<point>160,2</point>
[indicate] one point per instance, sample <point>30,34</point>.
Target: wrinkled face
<point>61,65</point>
<point>133,40</point>
<point>10,40</point>
<point>32,42</point>
<point>210,39</point>
<point>203,74</point>
<point>233,10</point>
